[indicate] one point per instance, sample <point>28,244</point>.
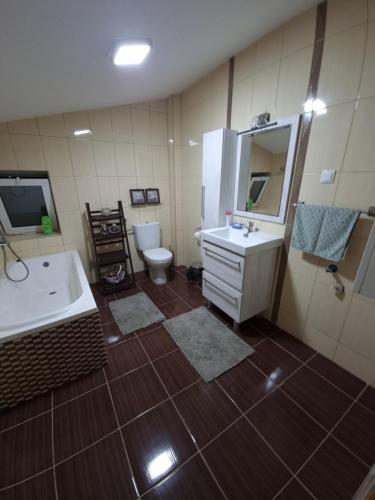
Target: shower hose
<point>18,260</point>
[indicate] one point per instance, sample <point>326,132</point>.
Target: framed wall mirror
<point>265,159</point>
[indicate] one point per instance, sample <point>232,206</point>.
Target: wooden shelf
<point>120,255</point>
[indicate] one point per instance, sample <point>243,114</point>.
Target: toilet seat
<point>157,255</point>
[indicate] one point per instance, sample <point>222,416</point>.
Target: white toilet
<point>147,239</point>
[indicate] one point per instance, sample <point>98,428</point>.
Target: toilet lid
<point>157,254</point>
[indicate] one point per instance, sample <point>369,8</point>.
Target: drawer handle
<point>220,290</point>
<point>225,260</point>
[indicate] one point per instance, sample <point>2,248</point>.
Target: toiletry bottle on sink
<point>46,222</point>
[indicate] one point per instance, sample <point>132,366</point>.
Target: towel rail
<point>370,212</point>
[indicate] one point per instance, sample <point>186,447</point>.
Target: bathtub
<point>50,331</point>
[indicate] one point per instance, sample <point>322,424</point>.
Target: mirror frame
<point>244,151</point>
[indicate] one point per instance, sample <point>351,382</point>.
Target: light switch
<point>327,176</point>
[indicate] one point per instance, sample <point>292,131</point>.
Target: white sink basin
<point>235,241</point>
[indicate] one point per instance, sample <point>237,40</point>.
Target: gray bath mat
<point>135,312</point>
<point>207,343</point>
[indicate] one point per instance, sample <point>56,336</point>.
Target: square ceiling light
<point>131,52</point>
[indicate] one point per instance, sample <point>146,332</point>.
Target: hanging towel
<point>324,231</point>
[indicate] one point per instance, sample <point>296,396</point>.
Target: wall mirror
<point>265,158</point>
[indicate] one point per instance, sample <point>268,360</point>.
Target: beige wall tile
<point>143,160</point>
<point>108,191</point>
<point>122,123</point>
<point>318,341</point>
<point>141,126</point>
<point>161,105</point>
<point>359,365</point>
<point>296,294</point>
<point>82,157</point>
<point>371,9</point>
<point>160,161</point>
<point>327,311</point>
<point>158,128</point>
<point>104,156</point>
<point>7,155</point>
<point>241,104</point>
<point>101,124</point>
<point>64,194</point>
<point>29,152</point>
<point>28,126</point>
<point>220,78</point>
<point>265,88</point>
<point>360,153</point>
<point>163,184</point>
<point>268,49</point>
<point>290,323</point>
<point>71,224</point>
<point>314,192</point>
<point>244,64</point>
<point>328,138</point>
<point>303,263</point>
<point>343,14</point>
<point>88,192</point>
<point>293,83</point>
<point>53,125</point>
<point>79,120</point>
<point>126,183</point>
<point>299,32</point>
<point>125,159</point>
<point>50,240</point>
<point>358,332</point>
<point>341,66</point>
<point>57,156</point>
<point>219,110</point>
<point>355,190</point>
<point>368,78</point>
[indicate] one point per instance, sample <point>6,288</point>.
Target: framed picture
<point>137,196</point>
<point>152,196</point>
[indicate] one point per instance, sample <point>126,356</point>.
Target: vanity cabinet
<point>239,285</point>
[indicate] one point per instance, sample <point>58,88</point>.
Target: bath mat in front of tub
<point>210,346</point>
<point>135,312</point>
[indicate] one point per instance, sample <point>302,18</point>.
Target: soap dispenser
<point>46,221</point>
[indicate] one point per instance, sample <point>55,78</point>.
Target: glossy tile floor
<point>286,423</point>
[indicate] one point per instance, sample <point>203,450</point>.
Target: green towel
<point>324,231</point>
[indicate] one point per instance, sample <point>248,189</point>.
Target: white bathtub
<point>55,292</point>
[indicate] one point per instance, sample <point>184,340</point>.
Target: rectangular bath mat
<point>135,312</point>
<point>210,346</point>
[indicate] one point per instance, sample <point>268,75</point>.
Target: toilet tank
<point>147,235</point>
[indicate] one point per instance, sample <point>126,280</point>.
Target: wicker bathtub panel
<point>36,363</point>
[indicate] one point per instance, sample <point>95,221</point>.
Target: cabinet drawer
<point>223,296</point>
<point>229,267</point>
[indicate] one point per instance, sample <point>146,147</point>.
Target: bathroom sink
<point>234,240</point>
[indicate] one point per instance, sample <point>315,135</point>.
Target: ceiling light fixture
<point>131,52</point>
<point>84,131</point>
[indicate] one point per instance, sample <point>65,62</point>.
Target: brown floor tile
<point>41,487</point>
<point>357,432</point>
<point>265,326</point>
<point>150,286</point>
<point>191,481</point>
<point>102,300</point>
<point>290,432</point>
<point>78,387</point>
<point>337,375</point>
<point>125,357</point>
<point>245,384</point>
<point>333,473</point>
<point>26,450</point>
<point>105,314</point>
<point>148,328</point>
<point>294,491</point>
<point>157,443</point>
<point>136,392</point>
<point>82,421</point>
<point>128,293</point>
<point>162,296</point>
<point>244,466</point>
<point>368,398</point>
<point>112,334</point>
<point>220,314</point>
<point>249,333</point>
<point>316,396</point>
<point>293,345</point>
<point>174,308</point>
<point>182,287</point>
<point>206,411</point>
<point>98,473</point>
<point>141,276</point>
<point>157,342</point>
<point>24,411</point>
<point>176,372</point>
<point>196,299</point>
<point>274,361</point>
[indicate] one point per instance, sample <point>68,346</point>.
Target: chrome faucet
<point>250,228</point>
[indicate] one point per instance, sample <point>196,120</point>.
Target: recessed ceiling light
<point>131,52</point>
<point>84,131</point>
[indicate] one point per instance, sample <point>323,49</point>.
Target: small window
<point>24,198</point>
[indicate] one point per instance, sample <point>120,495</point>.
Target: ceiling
<point>54,53</point>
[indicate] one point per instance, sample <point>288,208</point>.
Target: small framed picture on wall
<point>152,196</point>
<point>137,196</point>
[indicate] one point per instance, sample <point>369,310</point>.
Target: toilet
<point>147,240</point>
